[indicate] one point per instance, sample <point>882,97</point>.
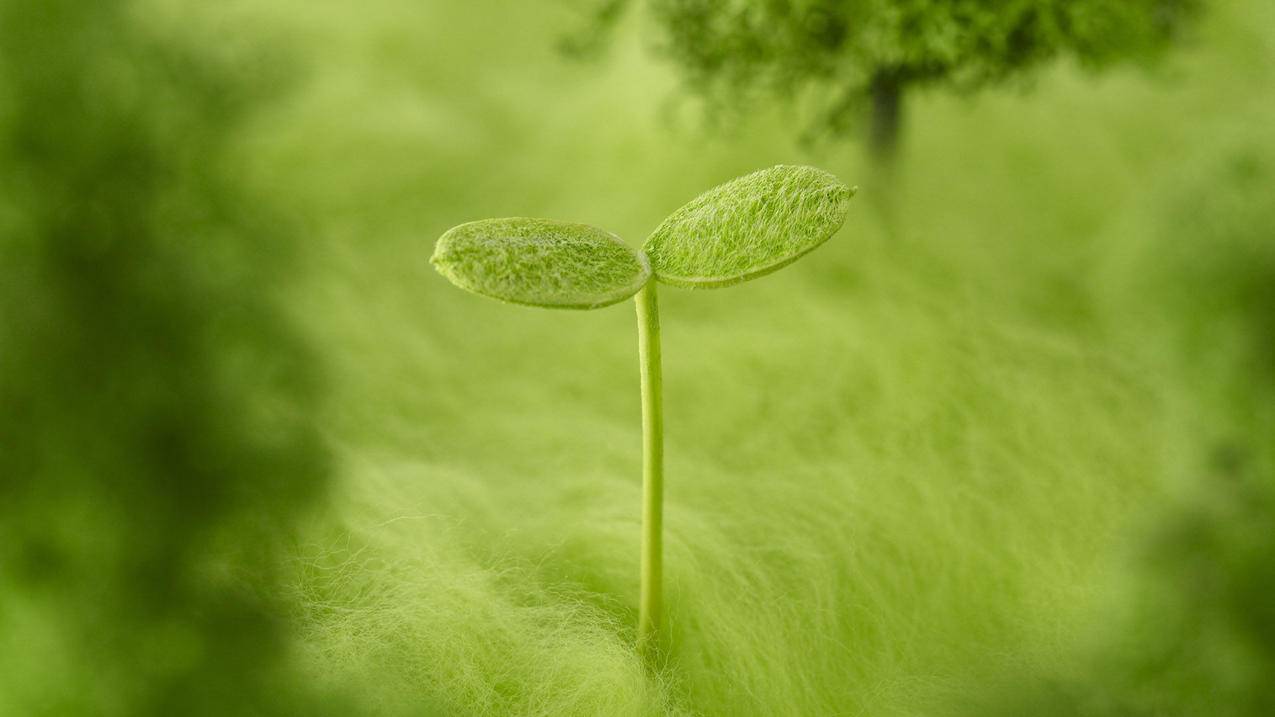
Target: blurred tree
<point>154,437</point>
<point>857,57</point>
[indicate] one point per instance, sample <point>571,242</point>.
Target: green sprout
<point>740,230</point>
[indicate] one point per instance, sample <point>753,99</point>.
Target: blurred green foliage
<point>156,442</point>
<point>1194,631</point>
<point>1202,623</point>
<point>846,58</point>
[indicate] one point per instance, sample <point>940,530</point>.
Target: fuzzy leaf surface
<point>748,227</point>
<point>541,262</point>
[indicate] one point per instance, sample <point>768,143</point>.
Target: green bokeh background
<point>1005,445</point>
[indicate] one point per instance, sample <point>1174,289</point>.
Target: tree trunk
<point>886,117</point>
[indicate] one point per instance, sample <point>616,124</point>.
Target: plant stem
<point>650,599</point>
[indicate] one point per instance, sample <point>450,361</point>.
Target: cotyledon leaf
<point>541,262</point>
<point>748,227</point>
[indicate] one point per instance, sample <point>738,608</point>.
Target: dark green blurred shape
<point>856,58</point>
<point>1196,635</point>
<point>154,437</point>
<point>1205,618</point>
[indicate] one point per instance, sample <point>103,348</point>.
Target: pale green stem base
<point>650,600</point>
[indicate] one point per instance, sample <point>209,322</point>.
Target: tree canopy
<point>851,57</point>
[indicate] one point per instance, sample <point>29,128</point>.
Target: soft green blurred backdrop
<point>1003,446</point>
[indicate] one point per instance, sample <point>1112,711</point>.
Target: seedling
<point>740,230</point>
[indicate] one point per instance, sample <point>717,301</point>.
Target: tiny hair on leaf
<point>748,227</point>
<point>541,262</point>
